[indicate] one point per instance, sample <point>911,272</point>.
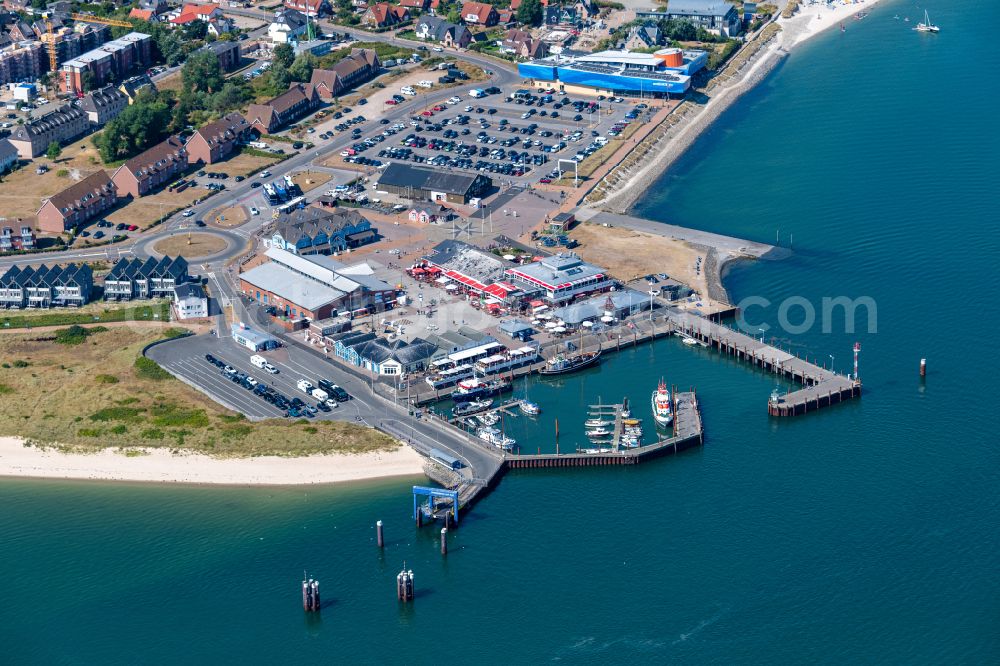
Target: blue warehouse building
<point>663,73</point>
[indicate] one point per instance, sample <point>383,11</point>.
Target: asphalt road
<point>185,358</point>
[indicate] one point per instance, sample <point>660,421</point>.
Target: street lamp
<point>831,364</point>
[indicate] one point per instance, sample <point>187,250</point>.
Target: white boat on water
<point>596,423</point>
<point>530,408</point>
<point>598,432</point>
<point>489,418</point>
<point>496,438</point>
<point>927,26</point>
<point>662,407</point>
<point>689,341</point>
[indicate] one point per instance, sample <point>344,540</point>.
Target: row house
<point>78,203</point>
<point>214,142</point>
<point>46,287</point>
<point>103,105</point>
<point>8,155</point>
<point>11,242</point>
<point>299,100</point>
<point>317,231</point>
<point>150,278</point>
<point>311,8</point>
<point>151,169</point>
<point>360,66</point>
<point>62,126</point>
<point>384,15</point>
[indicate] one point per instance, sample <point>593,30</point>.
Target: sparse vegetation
<point>76,335</point>
<point>149,369</point>
<point>89,314</point>
<point>139,410</point>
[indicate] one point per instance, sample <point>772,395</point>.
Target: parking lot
<point>187,359</point>
<point>519,138</point>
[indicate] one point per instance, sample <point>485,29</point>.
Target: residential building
<point>288,26</point>
<point>430,214</point>
<point>150,278</point>
<point>46,287</point>
<point>384,15</point>
<point>78,203</point>
<point>113,60</point>
<point>9,241</point>
<point>314,230</point>
<point>642,37</point>
<point>214,142</point>
<point>436,29</point>
<point>143,15</point>
<point>22,61</point>
<point>192,12</point>
<point>716,16</point>
<point>312,8</point>
<point>479,13</point>
<point>415,5</point>
<point>560,278</point>
<point>315,287</point>
<point>228,53</point>
<point>21,31</point>
<point>190,301</point>
<point>62,125</point>
<point>522,44</point>
<point>8,155</point>
<point>506,17</point>
<point>360,66</point>
<point>103,105</point>
<point>299,100</point>
<point>151,169</point>
<point>419,182</point>
<point>132,86</point>
<point>217,27</point>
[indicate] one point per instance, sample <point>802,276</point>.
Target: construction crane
<point>86,18</point>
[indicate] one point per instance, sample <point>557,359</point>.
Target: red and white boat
<point>663,411</point>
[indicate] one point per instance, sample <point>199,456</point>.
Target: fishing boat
<point>530,408</point>
<point>927,26</point>
<point>560,364</point>
<point>496,438</point>
<point>662,409</point>
<point>472,407</point>
<point>476,389</point>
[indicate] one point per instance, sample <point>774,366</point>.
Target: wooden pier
<point>820,387</point>
<point>688,433</point>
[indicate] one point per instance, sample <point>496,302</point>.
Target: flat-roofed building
<point>112,60</point>
<point>560,278</point>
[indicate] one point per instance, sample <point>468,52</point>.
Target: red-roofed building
<point>143,15</point>
<point>312,8</point>
<point>191,13</point>
<point>384,15</point>
<point>422,5</point>
<point>479,13</point>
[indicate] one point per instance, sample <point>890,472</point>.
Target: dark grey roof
<point>189,290</point>
<point>97,99</point>
<point>423,178</point>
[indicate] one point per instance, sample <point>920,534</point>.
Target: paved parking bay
<point>186,359</point>
<point>516,140</point>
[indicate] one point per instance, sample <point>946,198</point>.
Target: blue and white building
<point>663,73</point>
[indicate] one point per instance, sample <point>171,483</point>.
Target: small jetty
<point>820,387</point>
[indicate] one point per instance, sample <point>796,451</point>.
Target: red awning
<point>536,303</point>
<point>433,269</point>
<point>496,290</point>
<point>466,280</point>
<point>418,271</point>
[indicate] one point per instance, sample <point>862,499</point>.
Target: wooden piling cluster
<point>404,585</point>
<point>310,595</point>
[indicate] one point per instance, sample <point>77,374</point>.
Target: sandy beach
<point>813,19</point>
<point>161,466</point>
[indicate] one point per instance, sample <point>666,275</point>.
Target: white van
<point>320,395</point>
<point>425,83</point>
<point>270,369</point>
<point>258,361</point>
<point>408,90</point>
<point>305,386</point>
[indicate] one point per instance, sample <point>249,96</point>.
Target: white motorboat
<point>662,406</point>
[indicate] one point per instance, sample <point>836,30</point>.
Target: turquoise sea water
<point>863,533</point>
